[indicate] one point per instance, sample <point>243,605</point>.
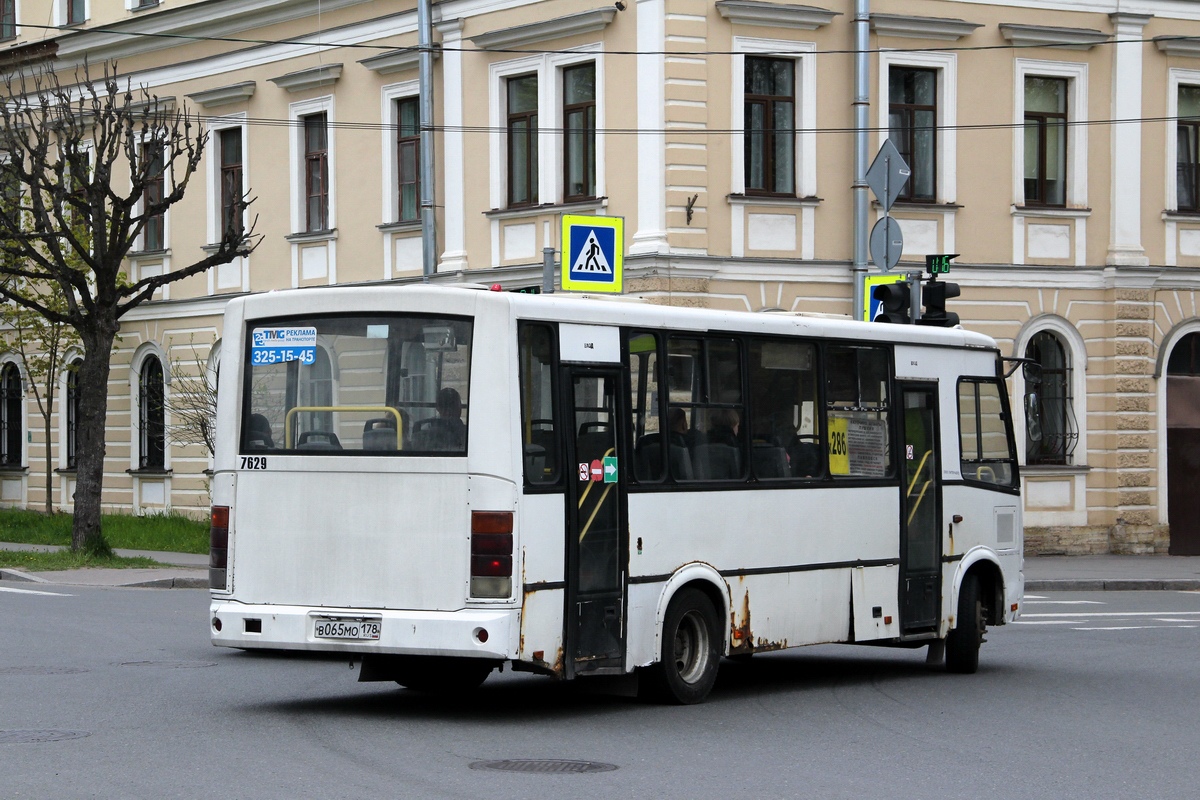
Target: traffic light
<point>897,302</point>
<point>934,295</point>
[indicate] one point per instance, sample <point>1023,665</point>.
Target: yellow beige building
<point>1053,146</point>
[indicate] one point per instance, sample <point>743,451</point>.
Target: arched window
<point>1051,429</point>
<point>151,415</point>
<point>11,433</point>
<point>72,404</point>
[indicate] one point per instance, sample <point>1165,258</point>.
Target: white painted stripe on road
<point>1065,603</point>
<point>1135,627</point>
<point>1043,622</point>
<point>33,591</point>
<point>1035,597</point>
<point>1114,614</point>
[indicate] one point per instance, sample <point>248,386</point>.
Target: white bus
<point>440,481</point>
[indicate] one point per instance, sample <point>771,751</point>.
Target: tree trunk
<point>92,384</point>
<point>49,457</point>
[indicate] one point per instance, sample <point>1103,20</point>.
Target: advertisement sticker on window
<point>280,345</point>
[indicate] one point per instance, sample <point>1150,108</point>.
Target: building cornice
<point>224,95</point>
<point>1052,36</point>
<point>557,28</point>
<point>922,27</point>
<point>1188,47</point>
<point>397,61</point>
<point>311,78</point>
<point>753,12</point>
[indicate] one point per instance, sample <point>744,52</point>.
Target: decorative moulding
<point>1050,36</point>
<point>922,27</point>
<point>557,28</point>
<point>752,12</point>
<point>324,75</point>
<point>397,60</point>
<point>224,95</point>
<point>1178,46</point>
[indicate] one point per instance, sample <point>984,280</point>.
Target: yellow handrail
<point>287,422</point>
<point>588,525</point>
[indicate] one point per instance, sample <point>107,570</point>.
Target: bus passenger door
<point>920,523</point>
<point>596,525</point>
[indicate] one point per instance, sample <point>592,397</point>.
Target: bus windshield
<point>386,384</point>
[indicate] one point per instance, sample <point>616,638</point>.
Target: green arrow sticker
<point>610,469</point>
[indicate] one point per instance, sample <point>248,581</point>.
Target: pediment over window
<point>397,61</point>
<point>922,27</point>
<point>324,75</point>
<point>1189,47</point>
<point>520,35</point>
<point>1051,36</point>
<point>752,12</point>
<point>223,95</point>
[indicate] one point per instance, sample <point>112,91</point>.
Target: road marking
<point>1035,597</point>
<point>1134,627</point>
<point>1113,614</point>
<point>1043,622</point>
<point>1065,603</point>
<point>33,591</point>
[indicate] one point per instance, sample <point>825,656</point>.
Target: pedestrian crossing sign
<point>593,253</point>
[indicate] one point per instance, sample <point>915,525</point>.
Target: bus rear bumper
<point>470,633</point>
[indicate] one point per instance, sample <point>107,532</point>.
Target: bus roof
<point>592,309</point>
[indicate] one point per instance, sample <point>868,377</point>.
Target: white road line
<point>1044,622</point>
<point>1114,614</point>
<point>1065,603</point>
<point>1035,597</point>
<point>33,591</point>
<point>1134,627</point>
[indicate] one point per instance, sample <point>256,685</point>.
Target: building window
<point>1045,141</point>
<point>522,141</point>
<point>151,415</point>
<point>579,132</point>
<point>72,403</point>
<point>316,173</point>
<point>231,180</point>
<point>8,19</point>
<point>11,432</point>
<point>912,127</point>
<point>408,158</point>
<point>1051,430</point>
<point>1187,160</point>
<point>76,11</point>
<point>154,231</point>
<point>770,121</point>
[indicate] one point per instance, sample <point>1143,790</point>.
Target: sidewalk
<point>1042,573</point>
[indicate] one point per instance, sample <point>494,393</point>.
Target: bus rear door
<point>920,523</point>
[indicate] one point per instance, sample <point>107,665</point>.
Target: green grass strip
<point>65,559</point>
<point>163,532</point>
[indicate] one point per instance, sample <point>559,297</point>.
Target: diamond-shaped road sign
<point>888,174</point>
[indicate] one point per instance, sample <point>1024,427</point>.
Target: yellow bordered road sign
<point>593,253</point>
<point>871,306</point>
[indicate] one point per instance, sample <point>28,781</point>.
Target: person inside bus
<point>258,433</point>
<point>446,431</point>
<point>677,426</point>
<point>724,430</point>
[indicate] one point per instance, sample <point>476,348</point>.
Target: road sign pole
<point>547,270</point>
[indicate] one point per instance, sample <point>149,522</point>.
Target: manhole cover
<point>544,765</point>
<point>42,670</point>
<point>29,737</point>
<point>169,664</point>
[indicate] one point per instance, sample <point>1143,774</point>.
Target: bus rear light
<point>491,553</point>
<point>218,548</point>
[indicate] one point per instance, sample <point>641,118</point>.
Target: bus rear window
<point>368,385</point>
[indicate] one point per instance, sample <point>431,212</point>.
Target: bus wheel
<point>691,651</point>
<point>962,643</point>
<point>437,675</point>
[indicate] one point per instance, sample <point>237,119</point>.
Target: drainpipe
<point>862,13</point>
<point>425,79</point>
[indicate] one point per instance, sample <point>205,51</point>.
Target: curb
<point>1113,585</point>
<point>9,574</point>
<point>169,583</point>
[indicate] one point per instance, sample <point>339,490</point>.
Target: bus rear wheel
<point>440,675</point>
<point>962,643</point>
<point>691,651</point>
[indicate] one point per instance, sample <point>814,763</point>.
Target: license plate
<point>346,628</point>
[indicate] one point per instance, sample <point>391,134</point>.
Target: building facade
<point>1053,146</point>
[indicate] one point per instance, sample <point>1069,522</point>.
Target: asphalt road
<point>117,693</point>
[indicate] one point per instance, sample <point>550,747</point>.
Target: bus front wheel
<point>691,651</point>
<point>962,643</point>
<point>439,675</point>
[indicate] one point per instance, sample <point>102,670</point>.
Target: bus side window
<point>648,463</point>
<point>785,441</point>
<point>984,438</point>
<point>539,434</point>
<point>857,408</point>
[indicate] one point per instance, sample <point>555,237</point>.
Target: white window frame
<point>60,11</point>
<point>1076,350</point>
<point>68,357</point>
<point>138,208</point>
<point>803,53</point>
<point>1175,78</point>
<point>946,66</point>
<point>296,114</point>
<point>135,404</point>
<point>548,68</point>
<point>23,379</point>
<point>391,180</point>
<point>240,122</point>
<point>1077,131</point>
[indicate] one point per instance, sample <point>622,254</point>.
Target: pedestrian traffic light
<point>934,296</point>
<point>896,299</point>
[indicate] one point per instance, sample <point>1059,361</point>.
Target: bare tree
<point>108,158</point>
<point>192,404</point>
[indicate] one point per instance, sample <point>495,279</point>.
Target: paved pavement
<point>1042,573</point>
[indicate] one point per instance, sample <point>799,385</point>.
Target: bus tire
<point>691,651</point>
<point>962,643</point>
<point>441,675</point>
